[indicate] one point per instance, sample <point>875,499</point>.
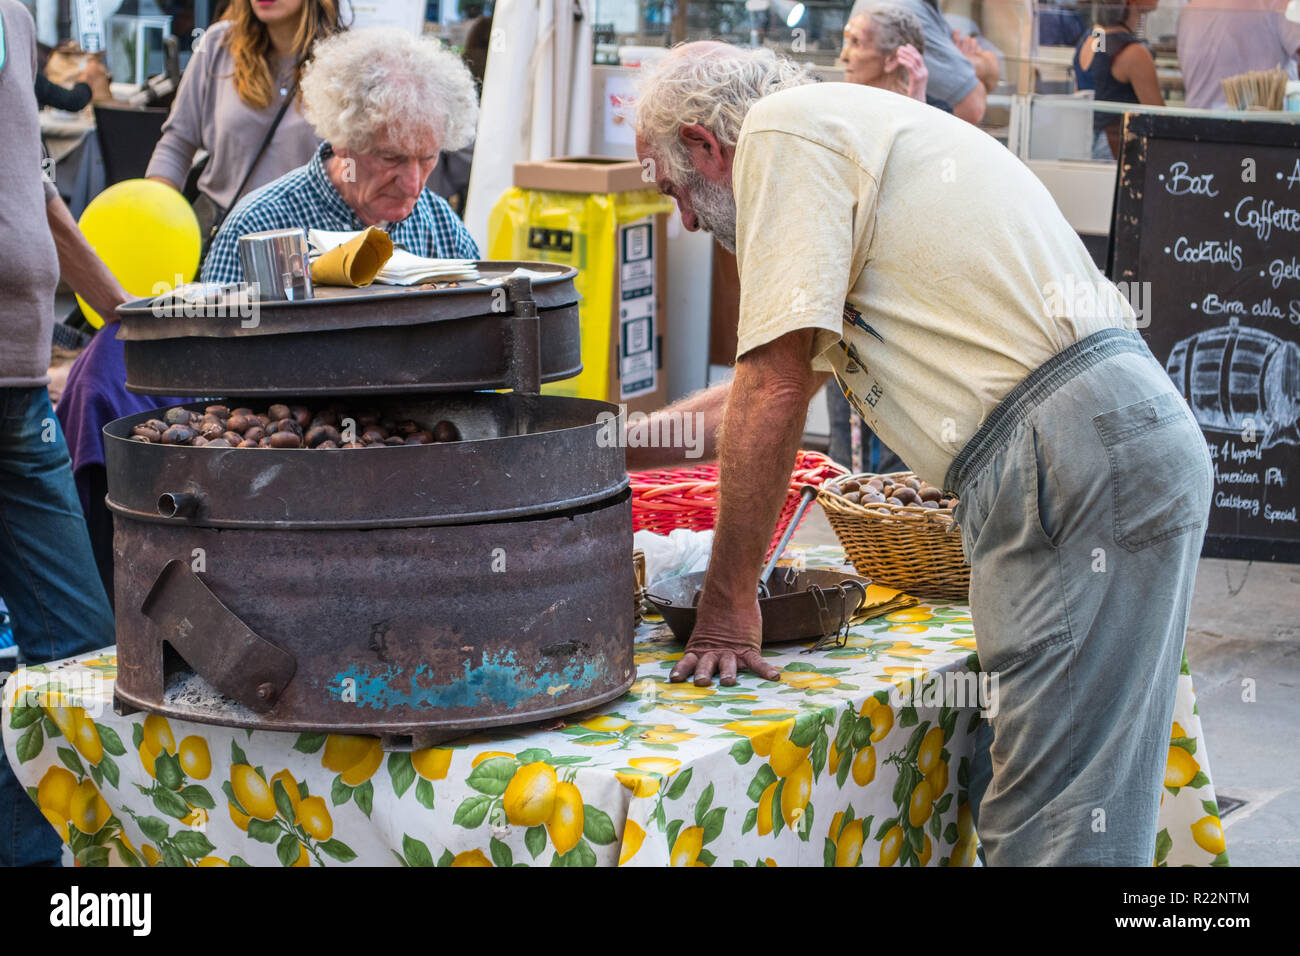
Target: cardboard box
<point>635,300</point>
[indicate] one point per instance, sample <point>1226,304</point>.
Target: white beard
<point>715,208</point>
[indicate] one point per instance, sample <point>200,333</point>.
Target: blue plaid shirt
<point>305,197</point>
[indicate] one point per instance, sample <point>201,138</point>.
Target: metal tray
<point>375,340</point>
<point>793,611</point>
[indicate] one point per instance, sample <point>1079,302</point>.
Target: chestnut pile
<point>901,491</point>
<point>288,426</point>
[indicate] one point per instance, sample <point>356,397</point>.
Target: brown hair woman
<point>243,69</point>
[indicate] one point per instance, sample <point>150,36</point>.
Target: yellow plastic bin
<point>597,214</point>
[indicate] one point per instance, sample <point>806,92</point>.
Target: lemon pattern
<point>821,767</point>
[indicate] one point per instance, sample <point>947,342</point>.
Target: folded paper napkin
<point>882,600</point>
<point>399,267</point>
<point>355,262</point>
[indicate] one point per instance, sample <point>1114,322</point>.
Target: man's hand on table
<point>724,641</point>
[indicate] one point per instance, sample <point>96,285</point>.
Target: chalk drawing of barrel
<point>1237,379</point>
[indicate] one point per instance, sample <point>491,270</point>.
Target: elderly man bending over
<point>919,262</point>
<point>386,103</point>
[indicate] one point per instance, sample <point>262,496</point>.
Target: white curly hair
<point>712,86</point>
<point>364,85</point>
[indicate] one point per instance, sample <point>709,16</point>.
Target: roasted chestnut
<point>239,423</point>
<point>147,433</point>
<point>320,434</point>
<point>178,435</point>
<point>255,433</point>
<point>219,443</point>
<point>285,439</point>
<point>374,434</point>
<point>445,431</point>
<point>177,416</point>
<point>247,443</point>
<point>210,430</point>
<point>327,417</point>
<point>221,411</point>
<point>407,428</point>
<point>328,444</point>
<point>278,412</point>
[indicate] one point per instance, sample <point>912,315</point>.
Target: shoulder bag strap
<point>266,141</point>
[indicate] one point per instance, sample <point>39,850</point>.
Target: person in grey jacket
<point>48,578</point>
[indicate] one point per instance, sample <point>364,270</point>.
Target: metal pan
<point>380,339</point>
<point>802,605</point>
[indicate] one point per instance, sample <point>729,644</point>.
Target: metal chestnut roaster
<point>414,592</point>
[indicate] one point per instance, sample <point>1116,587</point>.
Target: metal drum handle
<point>221,648</point>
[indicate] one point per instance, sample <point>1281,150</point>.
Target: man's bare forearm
<point>79,266</point>
<point>764,425</point>
<point>710,405</point>
<point>757,450</point>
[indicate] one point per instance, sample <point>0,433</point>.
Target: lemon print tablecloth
<point>821,768</point>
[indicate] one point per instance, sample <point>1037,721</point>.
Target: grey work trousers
<point>1084,502</point>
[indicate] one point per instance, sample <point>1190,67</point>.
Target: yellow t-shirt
<point>936,267</point>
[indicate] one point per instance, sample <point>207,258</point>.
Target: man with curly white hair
<point>385,103</point>
<point>917,260</point>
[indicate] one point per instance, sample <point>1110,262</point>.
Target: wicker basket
<point>915,549</point>
<point>663,501</point>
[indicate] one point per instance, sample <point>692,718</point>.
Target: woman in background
<point>243,70</point>
<point>1114,62</point>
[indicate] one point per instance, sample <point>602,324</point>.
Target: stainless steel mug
<point>276,264</point>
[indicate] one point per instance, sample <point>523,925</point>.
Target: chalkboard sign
<point>1207,231</point>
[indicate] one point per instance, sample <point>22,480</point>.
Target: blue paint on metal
<point>498,679</point>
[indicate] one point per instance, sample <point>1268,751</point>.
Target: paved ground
<point>1243,641</point>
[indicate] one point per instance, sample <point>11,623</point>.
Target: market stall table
<point>819,768</point>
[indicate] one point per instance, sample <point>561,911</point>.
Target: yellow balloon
<point>147,235</point>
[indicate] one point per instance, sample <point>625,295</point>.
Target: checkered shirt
<point>305,197</point>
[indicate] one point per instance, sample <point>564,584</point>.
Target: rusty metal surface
<point>221,647</point>
<point>791,613</point>
<point>410,633</point>
<point>438,355</point>
<point>493,474</point>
